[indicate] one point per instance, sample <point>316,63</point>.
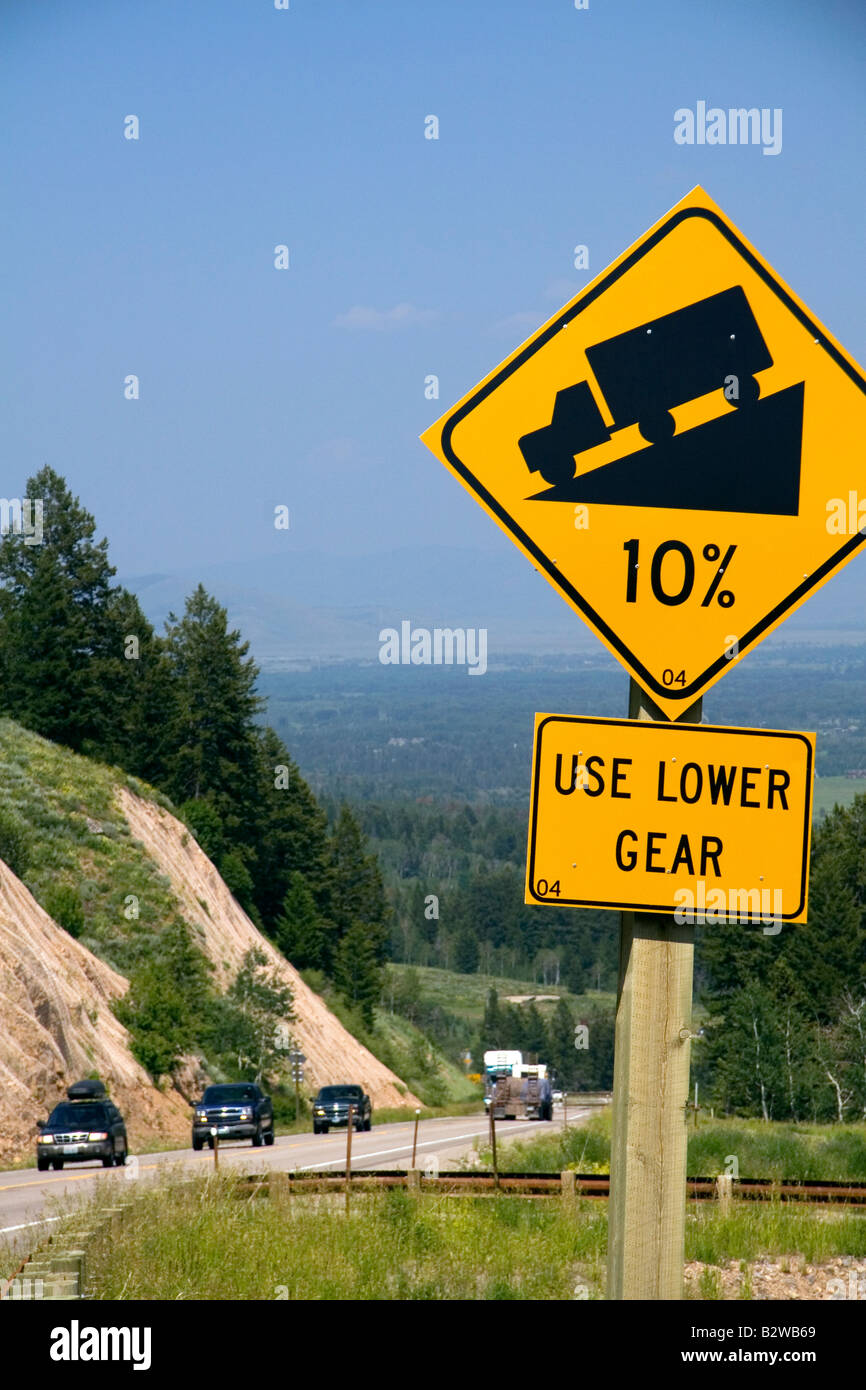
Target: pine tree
<point>300,932</point>
<point>491,1024</point>
<point>357,972</point>
<point>747,1049</point>
<point>290,831</point>
<point>214,747</point>
<point>357,892</point>
<point>136,680</point>
<point>55,629</point>
<point>465,952</point>
<point>829,955</point>
<point>235,873</point>
<point>561,1043</point>
<point>534,1041</point>
<point>205,825</point>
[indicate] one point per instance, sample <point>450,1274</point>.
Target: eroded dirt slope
<point>226,934</point>
<point>56,1026</point>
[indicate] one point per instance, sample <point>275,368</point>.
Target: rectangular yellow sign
<point>707,823</point>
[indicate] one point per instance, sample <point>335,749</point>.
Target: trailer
<point>496,1064</point>
<point>714,344</point>
<point>526,1096</point>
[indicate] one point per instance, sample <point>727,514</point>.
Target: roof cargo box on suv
<point>86,1090</point>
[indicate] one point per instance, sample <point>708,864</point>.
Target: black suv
<point>331,1107</point>
<point>82,1128</point>
<point>236,1111</point>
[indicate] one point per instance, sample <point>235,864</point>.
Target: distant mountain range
<point>308,606</point>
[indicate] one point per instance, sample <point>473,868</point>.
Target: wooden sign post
<point>647,1208</point>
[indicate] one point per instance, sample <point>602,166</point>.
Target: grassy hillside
<point>436,1079</point>
<point>60,830</point>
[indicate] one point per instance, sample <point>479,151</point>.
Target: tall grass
<point>209,1239</point>
<point>203,1242</point>
<point>835,1153</point>
<point>755,1230</point>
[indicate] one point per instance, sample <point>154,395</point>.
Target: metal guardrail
<point>551,1184</point>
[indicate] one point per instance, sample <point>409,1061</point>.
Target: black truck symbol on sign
<point>646,371</point>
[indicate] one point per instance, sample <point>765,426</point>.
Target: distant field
<point>830,790</point>
<point>466,995</point>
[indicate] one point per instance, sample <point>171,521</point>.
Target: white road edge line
<point>23,1227</point>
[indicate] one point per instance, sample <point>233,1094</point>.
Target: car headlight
<point>246,1114</point>
<point>95,1135</point>
<point>45,1139</point>
<point>320,1111</point>
<point>201,1114</point>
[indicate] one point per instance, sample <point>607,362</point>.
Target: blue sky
<point>306,127</point>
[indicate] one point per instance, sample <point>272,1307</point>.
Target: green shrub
<point>238,879</point>
<point>63,902</point>
<point>205,823</point>
<point>15,847</point>
<point>433,1092</point>
<point>316,980</point>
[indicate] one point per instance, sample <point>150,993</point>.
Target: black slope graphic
<point>744,461</point>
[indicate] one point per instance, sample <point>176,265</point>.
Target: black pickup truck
<point>331,1107</point>
<point>237,1110</point>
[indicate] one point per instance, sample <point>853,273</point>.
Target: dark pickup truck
<point>237,1110</point>
<point>331,1107</point>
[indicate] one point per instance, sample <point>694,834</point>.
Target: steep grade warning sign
<point>671,451</point>
<point>711,824</point>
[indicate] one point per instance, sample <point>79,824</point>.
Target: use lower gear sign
<point>670,450</point>
<point>666,449</point>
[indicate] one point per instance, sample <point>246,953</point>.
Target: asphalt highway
<point>29,1199</point>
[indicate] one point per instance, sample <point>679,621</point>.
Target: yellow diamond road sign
<point>677,450</point>
<point>683,818</point>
